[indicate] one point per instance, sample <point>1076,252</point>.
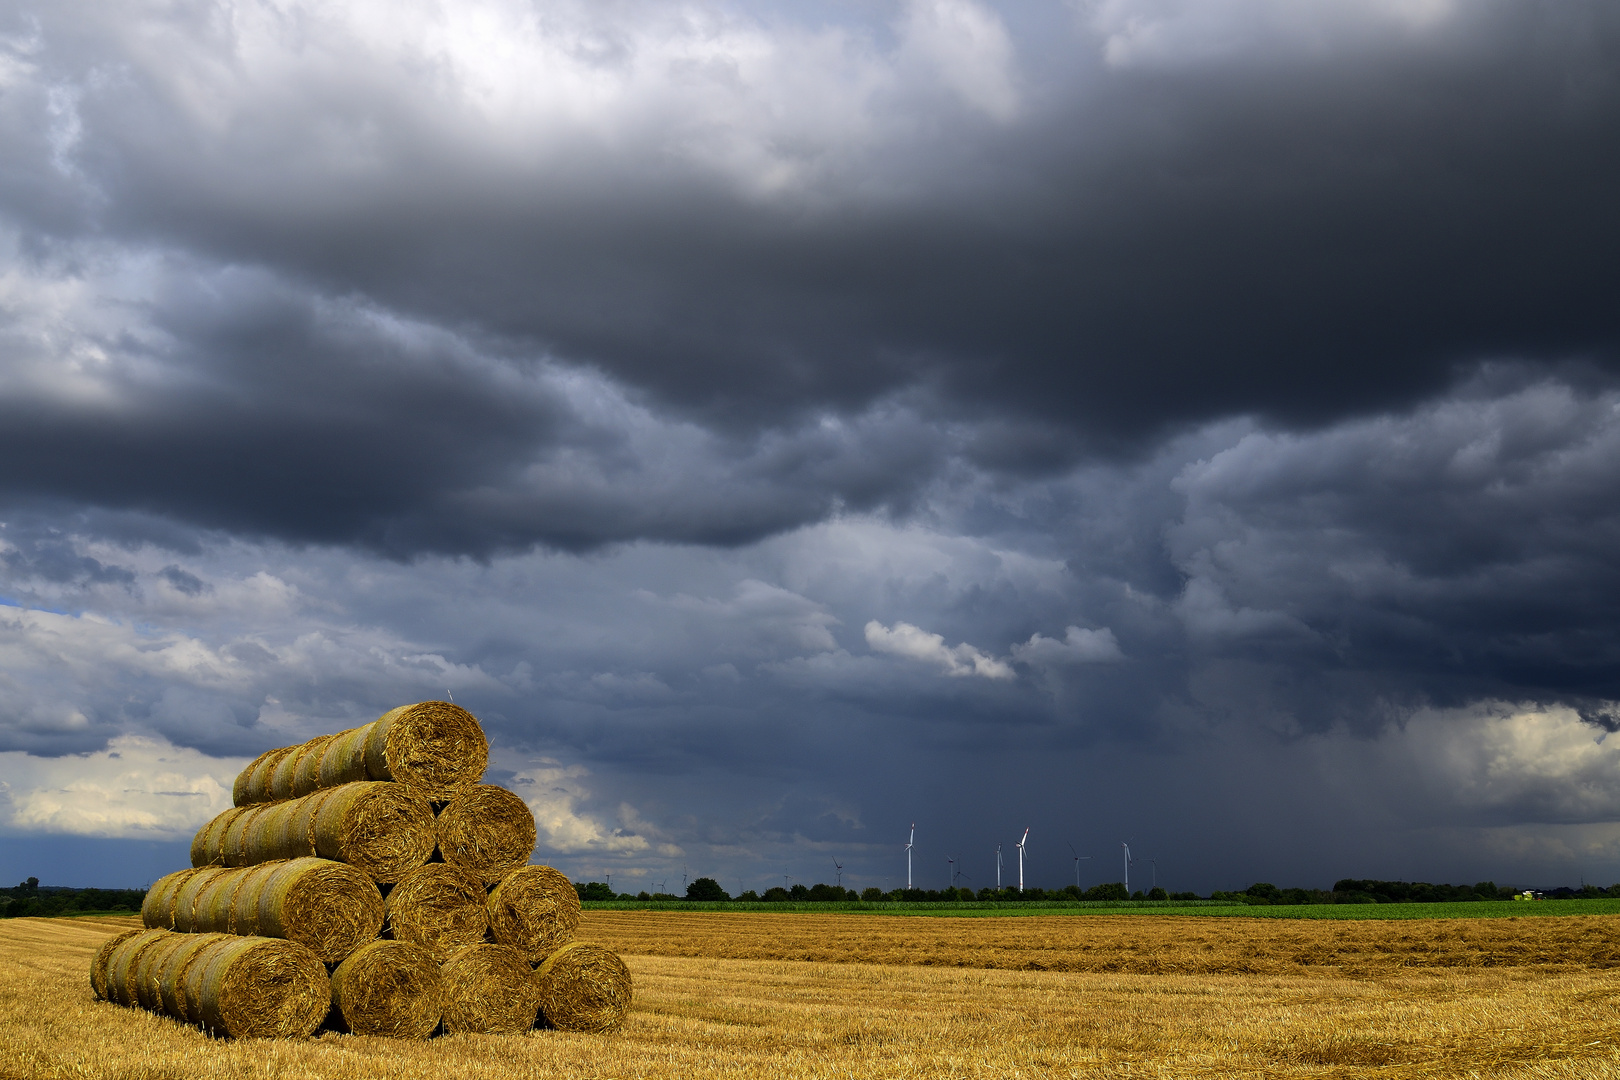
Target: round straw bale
<point>389,988</point>
<point>243,916</point>
<point>211,912</point>
<point>583,987</point>
<point>257,787</point>
<point>296,836</point>
<point>208,846</point>
<point>121,961</point>
<point>433,747</point>
<point>144,976</point>
<point>253,987</point>
<point>265,835</point>
<point>489,990</point>
<point>327,906</point>
<point>439,907</point>
<point>239,788</point>
<point>98,962</point>
<point>235,850</point>
<point>488,830</point>
<point>281,778</point>
<point>172,975</point>
<point>379,828</point>
<point>343,761</point>
<point>307,776</point>
<point>535,910</point>
<point>186,901</point>
<point>157,909</point>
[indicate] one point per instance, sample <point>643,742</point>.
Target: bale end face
<point>489,990</point>
<point>487,830</point>
<point>583,987</point>
<point>534,909</point>
<point>433,747</point>
<point>439,907</point>
<point>390,988</point>
<point>383,830</point>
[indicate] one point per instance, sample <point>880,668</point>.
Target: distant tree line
<point>30,899</point>
<point>1345,891</point>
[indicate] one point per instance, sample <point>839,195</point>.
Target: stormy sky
<point>1189,423</point>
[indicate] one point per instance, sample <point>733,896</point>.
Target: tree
<point>872,893</point>
<point>706,888</point>
<point>1157,893</point>
<point>594,890</point>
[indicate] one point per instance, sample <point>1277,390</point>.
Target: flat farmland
<point>732,996</point>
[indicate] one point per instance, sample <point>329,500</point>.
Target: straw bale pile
<point>367,880</point>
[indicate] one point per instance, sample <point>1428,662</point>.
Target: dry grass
<point>1146,944</point>
<point>729,1018</point>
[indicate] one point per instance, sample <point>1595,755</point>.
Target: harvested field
<point>729,1018</point>
<point>1146,944</point>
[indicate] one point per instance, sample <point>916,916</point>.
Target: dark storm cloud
<point>1128,247</point>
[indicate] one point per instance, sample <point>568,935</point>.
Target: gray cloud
<point>1212,406</point>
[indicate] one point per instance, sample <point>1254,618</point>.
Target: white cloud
<point>137,787</point>
<point>554,793</point>
<point>1170,32</point>
<point>1077,647</point>
<point>969,50</point>
<point>914,643</point>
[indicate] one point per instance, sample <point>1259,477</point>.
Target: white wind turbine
<point>1020,847</point>
<point>909,843</point>
<point>838,866</point>
<point>1077,858</point>
<point>998,868</point>
<point>1127,848</point>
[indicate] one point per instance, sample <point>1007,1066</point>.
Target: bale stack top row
<point>370,877</point>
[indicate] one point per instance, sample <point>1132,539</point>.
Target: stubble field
<point>806,996</point>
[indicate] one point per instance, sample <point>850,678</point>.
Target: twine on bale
<point>435,748</point>
<point>534,909</point>
<point>157,909</point>
<point>307,776</point>
<point>381,829</point>
<point>186,899</point>
<point>239,789</point>
<point>172,975</point>
<point>439,907</point>
<point>487,830</point>
<point>489,990</point>
<point>256,788</point>
<point>98,962</point>
<point>145,977</point>
<point>120,983</point>
<point>390,988</point>
<point>583,987</point>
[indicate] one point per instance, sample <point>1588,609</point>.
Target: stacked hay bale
<point>369,881</point>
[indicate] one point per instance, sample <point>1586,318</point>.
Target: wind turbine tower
<point>909,842</point>
<point>1020,847</point>
<point>1127,848</point>
<point>1077,858</point>
<point>838,866</point>
<point>998,868</point>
